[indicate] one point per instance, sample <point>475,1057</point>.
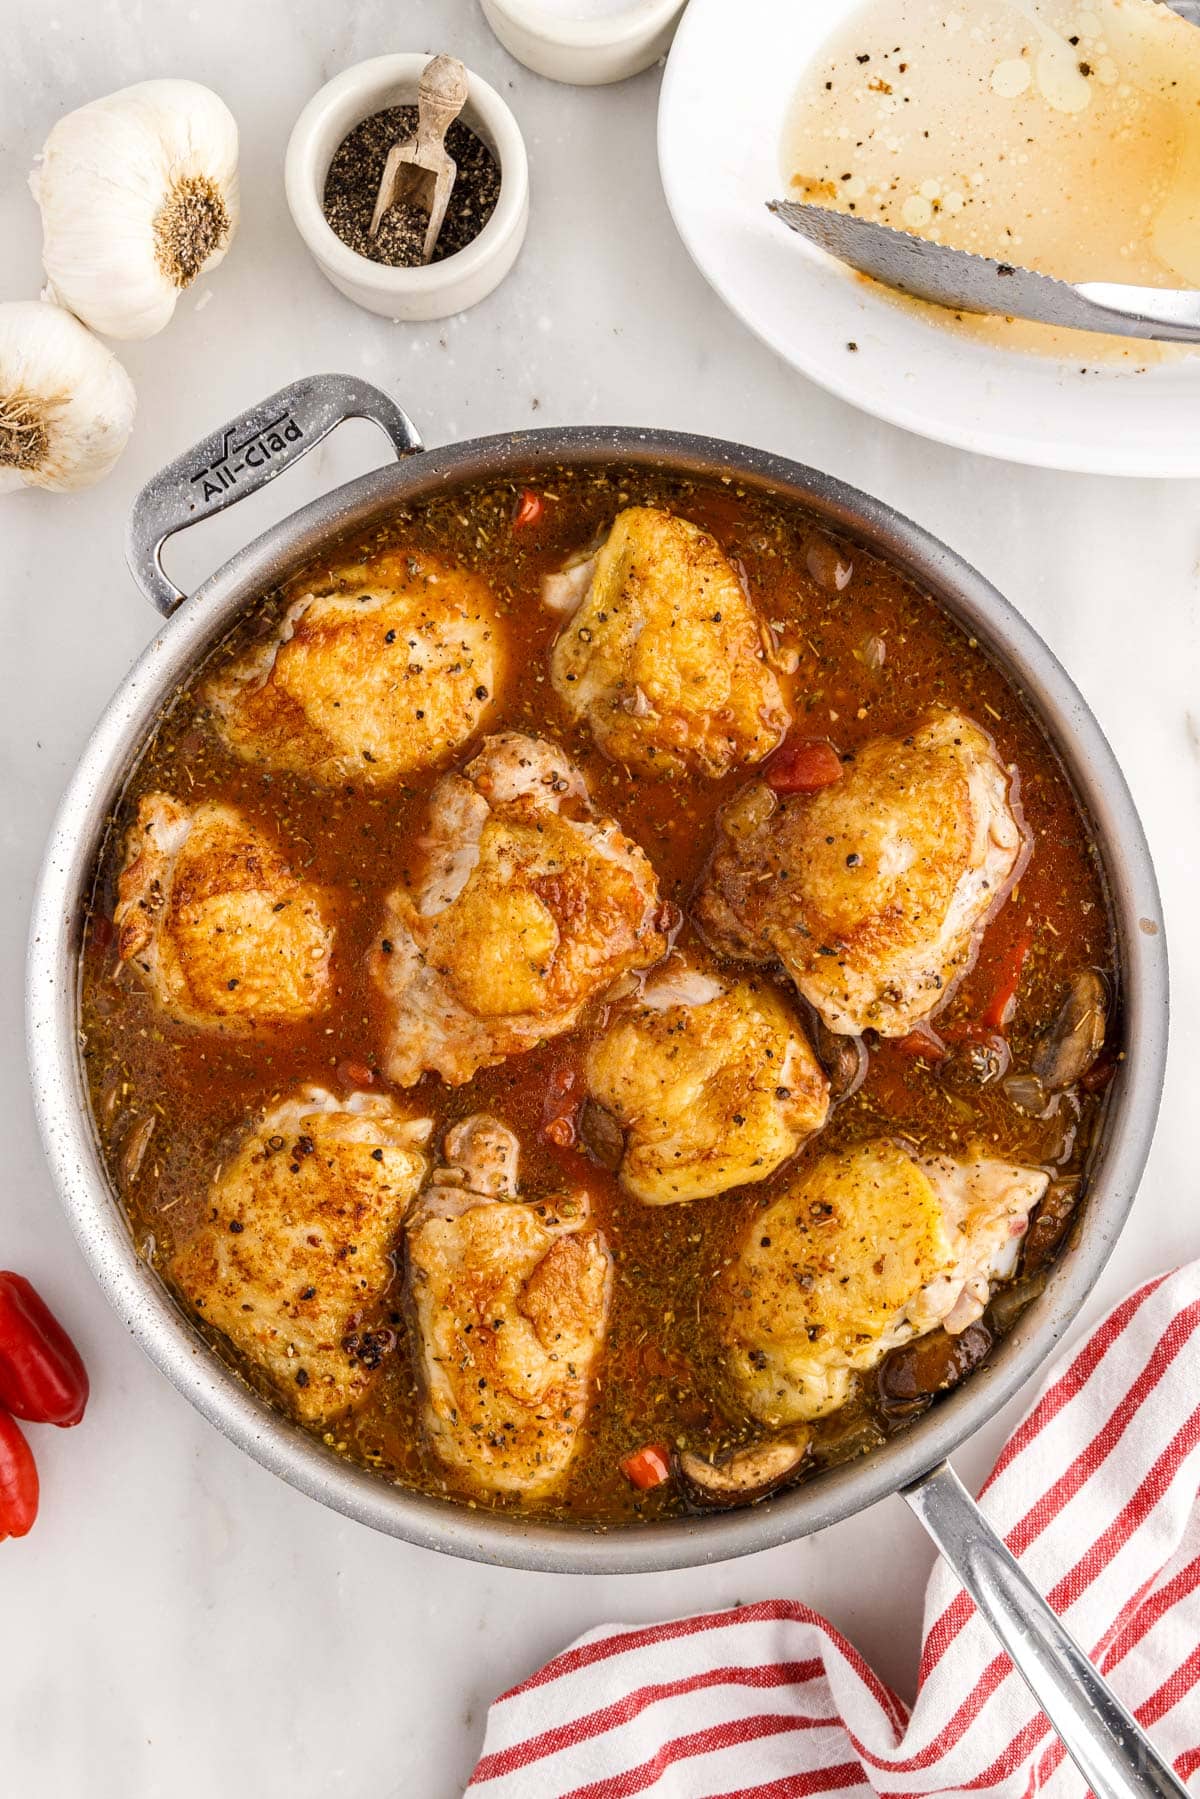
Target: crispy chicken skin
<point>866,1249</point>
<point>511,1299</point>
<point>714,1083</point>
<point>664,655</point>
<point>873,892</point>
<point>518,905</point>
<point>294,1256</point>
<point>386,667</point>
<point>215,922</point>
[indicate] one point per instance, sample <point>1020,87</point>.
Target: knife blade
<point>965,282</point>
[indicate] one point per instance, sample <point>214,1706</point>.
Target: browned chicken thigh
<point>215,922</point>
<point>713,1082</point>
<point>664,652</point>
<point>866,1249</point>
<point>293,1257</point>
<point>511,1300</point>
<point>518,905</point>
<point>387,667</point>
<point>873,892</point>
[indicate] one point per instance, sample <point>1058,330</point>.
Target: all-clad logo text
<point>252,452</point>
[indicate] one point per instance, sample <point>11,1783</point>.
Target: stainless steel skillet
<point>237,460</point>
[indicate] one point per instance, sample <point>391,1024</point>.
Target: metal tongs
<point>420,171</point>
<point>964,282</point>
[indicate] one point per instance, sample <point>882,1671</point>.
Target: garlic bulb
<point>139,195</point>
<point>66,404</point>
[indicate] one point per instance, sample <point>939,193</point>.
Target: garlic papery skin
<point>66,404</point>
<point>139,195</point>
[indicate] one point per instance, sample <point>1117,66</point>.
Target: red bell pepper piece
<point>999,1009</point>
<point>804,766</point>
<point>529,511</point>
<point>42,1377</point>
<point>922,1044</point>
<point>560,1131</point>
<point>648,1466</point>
<point>559,1110</point>
<point>18,1481</point>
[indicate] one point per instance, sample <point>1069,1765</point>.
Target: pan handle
<point>242,457</point>
<point>1110,1750</point>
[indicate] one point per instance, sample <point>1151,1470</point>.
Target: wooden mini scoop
<point>420,170</point>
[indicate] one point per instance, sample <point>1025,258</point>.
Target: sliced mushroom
<point>1010,1300</point>
<point>1050,1223</point>
<point>1026,1092</point>
<point>1067,1048</point>
<point>845,1435</point>
<point>908,1379</point>
<point>1059,1136</point>
<point>976,1060</point>
<point>133,1150</point>
<point>749,810</point>
<point>601,1135</point>
<point>829,565</point>
<point>748,1474</point>
<point>844,1059</point>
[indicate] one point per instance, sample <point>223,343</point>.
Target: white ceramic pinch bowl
<point>440,288</point>
<point>584,51</point>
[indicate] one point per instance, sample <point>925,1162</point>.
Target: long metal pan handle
<point>1110,1750</point>
<point>242,457</point>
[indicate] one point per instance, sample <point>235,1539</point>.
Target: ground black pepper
<point>353,183</point>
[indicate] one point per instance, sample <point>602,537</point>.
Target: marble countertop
<point>180,1622</point>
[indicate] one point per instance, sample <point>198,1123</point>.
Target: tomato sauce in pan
<point>872,654</point>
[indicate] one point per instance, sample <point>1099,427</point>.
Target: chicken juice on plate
<point>599,998</point>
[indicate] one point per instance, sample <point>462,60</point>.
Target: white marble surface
<point>181,1623</point>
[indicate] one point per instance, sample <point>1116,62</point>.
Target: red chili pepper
<point>804,767</point>
<point>42,1377</point>
<point>923,1044</point>
<point>999,1009</point>
<point>968,1030</point>
<point>18,1481</point>
<point>648,1466</point>
<point>530,508</point>
<point>559,1110</point>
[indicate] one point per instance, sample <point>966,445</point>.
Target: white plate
<point>731,75</point>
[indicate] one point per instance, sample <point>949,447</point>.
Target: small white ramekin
<point>440,288</point>
<point>584,52</point>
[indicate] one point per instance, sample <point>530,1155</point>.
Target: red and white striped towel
<point>1095,1492</point>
